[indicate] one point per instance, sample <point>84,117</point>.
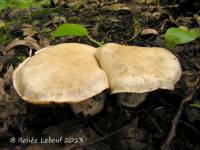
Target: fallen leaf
<point>149,31</point>
<point>137,30</point>
<point>56,20</point>
<point>117,7</point>
<point>29,30</point>
<point>3,60</point>
<point>180,35</point>
<point>192,81</point>
<point>70,29</point>
<point>44,42</point>
<point>79,4</point>
<point>3,95</point>
<point>59,19</point>
<point>28,41</point>
<point>59,2</point>
<point>55,2</point>
<point>15,12</point>
<point>184,20</point>
<point>149,2</point>
<point>8,75</point>
<point>197,18</point>
<point>2,47</point>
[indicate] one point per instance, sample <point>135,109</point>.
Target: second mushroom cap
<point>138,69</point>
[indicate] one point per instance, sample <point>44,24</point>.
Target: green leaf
<point>41,2</point>
<point>180,35</point>
<point>4,4</point>
<point>24,4</point>
<point>195,105</point>
<point>70,29</point>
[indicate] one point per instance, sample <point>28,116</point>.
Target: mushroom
<point>138,70</point>
<point>64,73</point>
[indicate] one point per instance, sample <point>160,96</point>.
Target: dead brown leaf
<point>79,4</point>
<point>8,75</point>
<point>29,30</point>
<point>16,12</point>
<point>28,41</point>
<point>197,19</point>
<point>56,20</point>
<point>137,30</point>
<point>149,31</point>
<point>44,42</point>
<point>185,21</point>
<point>192,81</point>
<point>3,94</point>
<point>149,2</point>
<point>3,60</point>
<point>59,2</point>
<point>75,3</point>
<point>117,7</point>
<point>59,19</point>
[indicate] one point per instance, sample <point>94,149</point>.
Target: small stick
<point>172,133</point>
<point>133,124</point>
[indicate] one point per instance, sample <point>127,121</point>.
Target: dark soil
<point>145,127</point>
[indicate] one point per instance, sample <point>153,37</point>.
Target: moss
<point>74,19</point>
<point>5,37</point>
<point>17,59</point>
<point>44,15</point>
<point>20,58</point>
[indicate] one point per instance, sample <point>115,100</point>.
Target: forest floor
<point>165,120</point>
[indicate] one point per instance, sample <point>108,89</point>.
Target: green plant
<point>21,4</point>
<point>195,105</point>
<point>20,58</point>
<point>73,30</point>
<point>5,38</point>
<point>180,35</point>
<point>5,4</point>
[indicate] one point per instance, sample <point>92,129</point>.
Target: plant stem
<point>96,42</point>
<point>29,14</point>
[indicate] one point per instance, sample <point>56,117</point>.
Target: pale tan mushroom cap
<point>63,73</point>
<point>138,69</point>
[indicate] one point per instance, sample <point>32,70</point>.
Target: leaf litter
<point>107,128</point>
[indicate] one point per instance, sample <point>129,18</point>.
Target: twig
<point>133,124</point>
<point>172,133</point>
<point>190,126</point>
<point>155,123</point>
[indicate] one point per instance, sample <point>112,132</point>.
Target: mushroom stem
<point>88,107</point>
<point>131,99</point>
